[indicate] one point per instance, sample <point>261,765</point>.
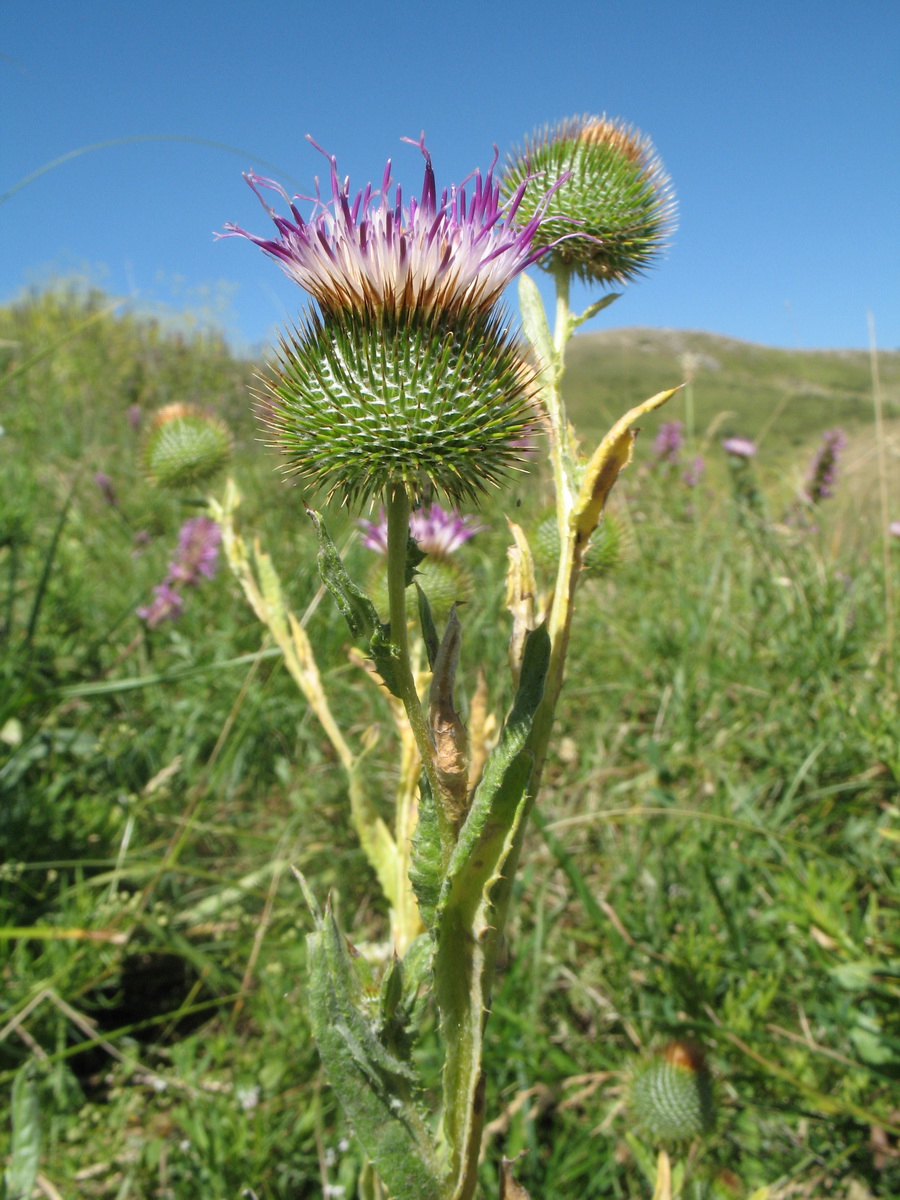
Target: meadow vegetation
<point>714,855</point>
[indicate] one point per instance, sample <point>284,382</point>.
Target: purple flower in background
<point>894,529</point>
<point>453,254</point>
<point>134,416</point>
<point>823,470</point>
<point>739,447</point>
<point>167,605</point>
<point>104,483</point>
<point>197,558</point>
<point>693,473</point>
<point>437,531</point>
<point>668,443</point>
<point>198,551</point>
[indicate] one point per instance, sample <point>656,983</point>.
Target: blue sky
<point>779,123</point>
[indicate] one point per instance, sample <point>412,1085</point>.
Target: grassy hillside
<point>714,855</point>
<point>737,387</point>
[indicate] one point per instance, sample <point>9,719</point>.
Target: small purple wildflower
<point>135,416</point>
<point>668,443</point>
<point>894,529</point>
<point>454,254</point>
<point>167,605</point>
<point>693,473</point>
<point>198,551</point>
<point>739,447</point>
<point>823,471</point>
<point>197,558</point>
<point>104,484</point>
<point>437,531</point>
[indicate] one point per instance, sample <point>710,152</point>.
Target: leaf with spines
<point>19,1177</point>
<point>359,612</point>
<point>472,907</point>
<point>367,1064</point>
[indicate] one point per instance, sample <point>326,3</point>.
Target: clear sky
<point>778,120</point>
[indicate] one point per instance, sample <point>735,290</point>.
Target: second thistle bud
<point>612,215</point>
<point>184,447</point>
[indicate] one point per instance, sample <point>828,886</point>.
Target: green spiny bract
<point>185,447</point>
<point>367,401</point>
<point>612,215</point>
<point>671,1095</point>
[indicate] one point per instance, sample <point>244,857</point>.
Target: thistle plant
<point>405,380</point>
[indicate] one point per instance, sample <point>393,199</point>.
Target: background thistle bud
<point>369,400</point>
<point>614,212</point>
<point>671,1093</point>
<point>184,447</point>
<point>604,554</point>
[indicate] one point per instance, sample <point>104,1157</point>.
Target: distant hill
<point>737,387</point>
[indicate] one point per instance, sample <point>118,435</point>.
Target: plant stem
<point>398,508</point>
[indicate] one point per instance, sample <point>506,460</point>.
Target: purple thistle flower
<point>668,443</point>
<point>739,447</point>
<point>167,605</point>
<point>198,551</point>
<point>437,531</point>
<point>823,470</point>
<point>452,254</point>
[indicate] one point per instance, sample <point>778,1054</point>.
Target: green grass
<point>714,855</point>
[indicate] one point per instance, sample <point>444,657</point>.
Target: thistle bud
<point>614,211</point>
<point>671,1093</point>
<point>605,553</point>
<point>184,447</point>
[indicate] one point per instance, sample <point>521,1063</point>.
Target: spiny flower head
<point>671,1093</point>
<point>454,254</point>
<point>406,373</point>
<point>184,447</point>
<point>614,210</point>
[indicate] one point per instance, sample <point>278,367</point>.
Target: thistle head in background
<point>184,448</point>
<point>406,375</point>
<point>606,550</point>
<point>670,1094</point>
<point>613,213</point>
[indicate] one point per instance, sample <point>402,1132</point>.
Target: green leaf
<point>534,322</point>
<point>471,914</point>
<point>376,1086</point>
<point>426,870</point>
<point>19,1177</point>
<point>429,631</point>
<point>359,612</point>
<point>593,309</point>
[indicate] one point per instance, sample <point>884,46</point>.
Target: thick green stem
<point>398,509</point>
